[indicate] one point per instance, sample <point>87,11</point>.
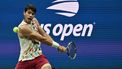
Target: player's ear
<point>24,13</point>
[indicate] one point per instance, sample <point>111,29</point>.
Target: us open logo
<point>68,8</point>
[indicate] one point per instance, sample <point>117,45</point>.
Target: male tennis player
<point>30,36</point>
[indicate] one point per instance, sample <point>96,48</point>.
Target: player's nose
<point>30,15</point>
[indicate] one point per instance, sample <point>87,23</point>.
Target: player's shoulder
<point>23,26</point>
<point>22,23</point>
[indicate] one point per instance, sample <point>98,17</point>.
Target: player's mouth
<point>29,19</point>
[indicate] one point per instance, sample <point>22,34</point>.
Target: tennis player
<point>30,36</point>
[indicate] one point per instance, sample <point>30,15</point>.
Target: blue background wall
<point>103,50</point>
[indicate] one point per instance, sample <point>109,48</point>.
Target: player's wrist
<point>55,44</point>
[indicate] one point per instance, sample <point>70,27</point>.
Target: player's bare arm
<point>44,34</point>
<point>25,31</point>
<point>40,30</point>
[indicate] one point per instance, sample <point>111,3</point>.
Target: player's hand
<point>62,49</point>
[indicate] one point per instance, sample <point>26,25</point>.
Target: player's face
<point>29,15</point>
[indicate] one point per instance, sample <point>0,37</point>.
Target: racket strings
<point>71,50</point>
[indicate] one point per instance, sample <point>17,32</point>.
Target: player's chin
<point>29,20</point>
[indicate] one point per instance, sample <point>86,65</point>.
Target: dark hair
<point>30,6</point>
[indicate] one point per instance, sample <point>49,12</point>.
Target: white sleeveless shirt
<point>30,49</point>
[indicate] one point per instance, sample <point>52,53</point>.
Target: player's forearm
<point>41,31</point>
<point>41,38</point>
<point>45,40</point>
<point>44,34</point>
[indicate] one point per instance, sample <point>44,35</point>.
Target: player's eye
<point>33,14</point>
<point>29,12</point>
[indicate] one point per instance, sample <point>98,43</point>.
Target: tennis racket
<point>71,50</point>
